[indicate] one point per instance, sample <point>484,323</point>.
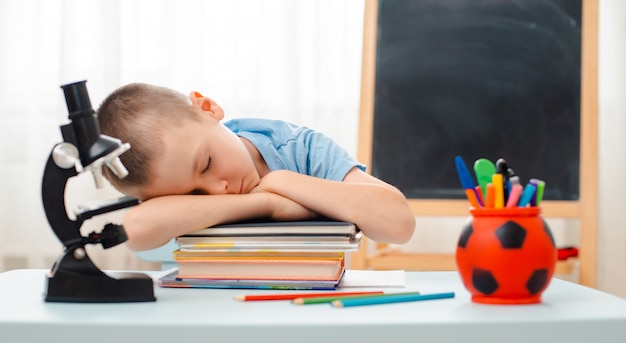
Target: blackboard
<point>477,78</point>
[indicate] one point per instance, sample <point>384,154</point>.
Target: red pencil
<point>292,296</point>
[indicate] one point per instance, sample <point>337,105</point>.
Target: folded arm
<point>377,208</point>
<point>154,222</point>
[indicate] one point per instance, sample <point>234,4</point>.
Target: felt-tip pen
<point>527,195</point>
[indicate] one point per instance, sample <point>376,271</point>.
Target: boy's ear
<point>205,104</point>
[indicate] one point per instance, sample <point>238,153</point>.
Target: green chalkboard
<point>477,78</point>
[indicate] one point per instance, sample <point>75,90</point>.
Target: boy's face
<point>201,158</point>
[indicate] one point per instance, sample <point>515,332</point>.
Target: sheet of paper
<point>373,278</point>
<point>156,276</point>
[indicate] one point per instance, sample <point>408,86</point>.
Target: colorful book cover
<point>256,228</point>
<point>172,281</point>
<point>310,244</point>
<point>255,268</point>
<point>183,254</point>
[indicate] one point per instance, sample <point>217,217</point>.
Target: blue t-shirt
<point>297,148</point>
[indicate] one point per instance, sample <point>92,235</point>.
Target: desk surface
<point>569,313</point>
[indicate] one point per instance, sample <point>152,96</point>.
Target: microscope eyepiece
<point>77,99</point>
<point>83,131</point>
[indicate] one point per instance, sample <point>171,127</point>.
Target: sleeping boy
<point>191,170</point>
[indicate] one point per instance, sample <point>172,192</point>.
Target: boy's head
<point>138,114</point>
<point>172,137</point>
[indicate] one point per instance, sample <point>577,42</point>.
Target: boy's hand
<point>287,209</point>
<point>268,182</point>
<point>284,208</point>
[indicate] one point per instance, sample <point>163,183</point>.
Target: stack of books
<point>272,255</point>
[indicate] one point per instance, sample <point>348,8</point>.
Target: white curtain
<point>284,59</point>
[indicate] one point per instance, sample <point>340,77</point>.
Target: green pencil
<point>329,299</point>
<point>390,299</point>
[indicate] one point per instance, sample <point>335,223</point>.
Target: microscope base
<point>65,286</point>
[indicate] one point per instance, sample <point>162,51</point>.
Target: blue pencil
<point>376,300</point>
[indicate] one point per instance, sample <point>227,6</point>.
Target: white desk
<point>569,313</point>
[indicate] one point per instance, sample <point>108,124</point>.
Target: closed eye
<point>207,166</point>
<point>197,192</point>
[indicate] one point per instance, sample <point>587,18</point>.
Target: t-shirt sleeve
<point>297,148</point>
<point>327,159</point>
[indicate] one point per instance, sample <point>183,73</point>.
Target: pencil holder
<point>506,256</point>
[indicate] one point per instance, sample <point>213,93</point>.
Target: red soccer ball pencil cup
<point>506,255</point>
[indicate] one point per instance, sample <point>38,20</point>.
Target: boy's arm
<point>377,208</point>
<point>154,222</point>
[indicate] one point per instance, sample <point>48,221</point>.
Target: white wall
<point>612,143</point>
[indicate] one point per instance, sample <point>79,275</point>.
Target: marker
<point>508,184</point>
<point>484,169</point>
<point>516,192</point>
<point>504,169</point>
<point>498,186</point>
<point>527,194</point>
<point>388,300</point>
<point>481,197</point>
<point>464,175</point>
<point>540,189</point>
<point>491,193</point>
<point>510,172</point>
<point>539,193</point>
<point>471,196</point>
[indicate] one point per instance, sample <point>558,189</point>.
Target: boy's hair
<point>139,114</point>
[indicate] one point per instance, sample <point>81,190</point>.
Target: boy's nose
<point>219,187</point>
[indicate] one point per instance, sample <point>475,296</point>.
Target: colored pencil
<point>291,296</point>
<point>326,300</point>
<point>388,300</point>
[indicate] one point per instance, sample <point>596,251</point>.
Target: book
<point>242,254</point>
<point>257,268</point>
<point>171,280</point>
<point>267,239</point>
<point>288,228</point>
<point>200,254</point>
<point>312,243</point>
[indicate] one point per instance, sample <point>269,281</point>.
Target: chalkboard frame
<point>583,209</point>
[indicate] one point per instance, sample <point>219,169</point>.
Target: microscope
<point>74,277</point>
